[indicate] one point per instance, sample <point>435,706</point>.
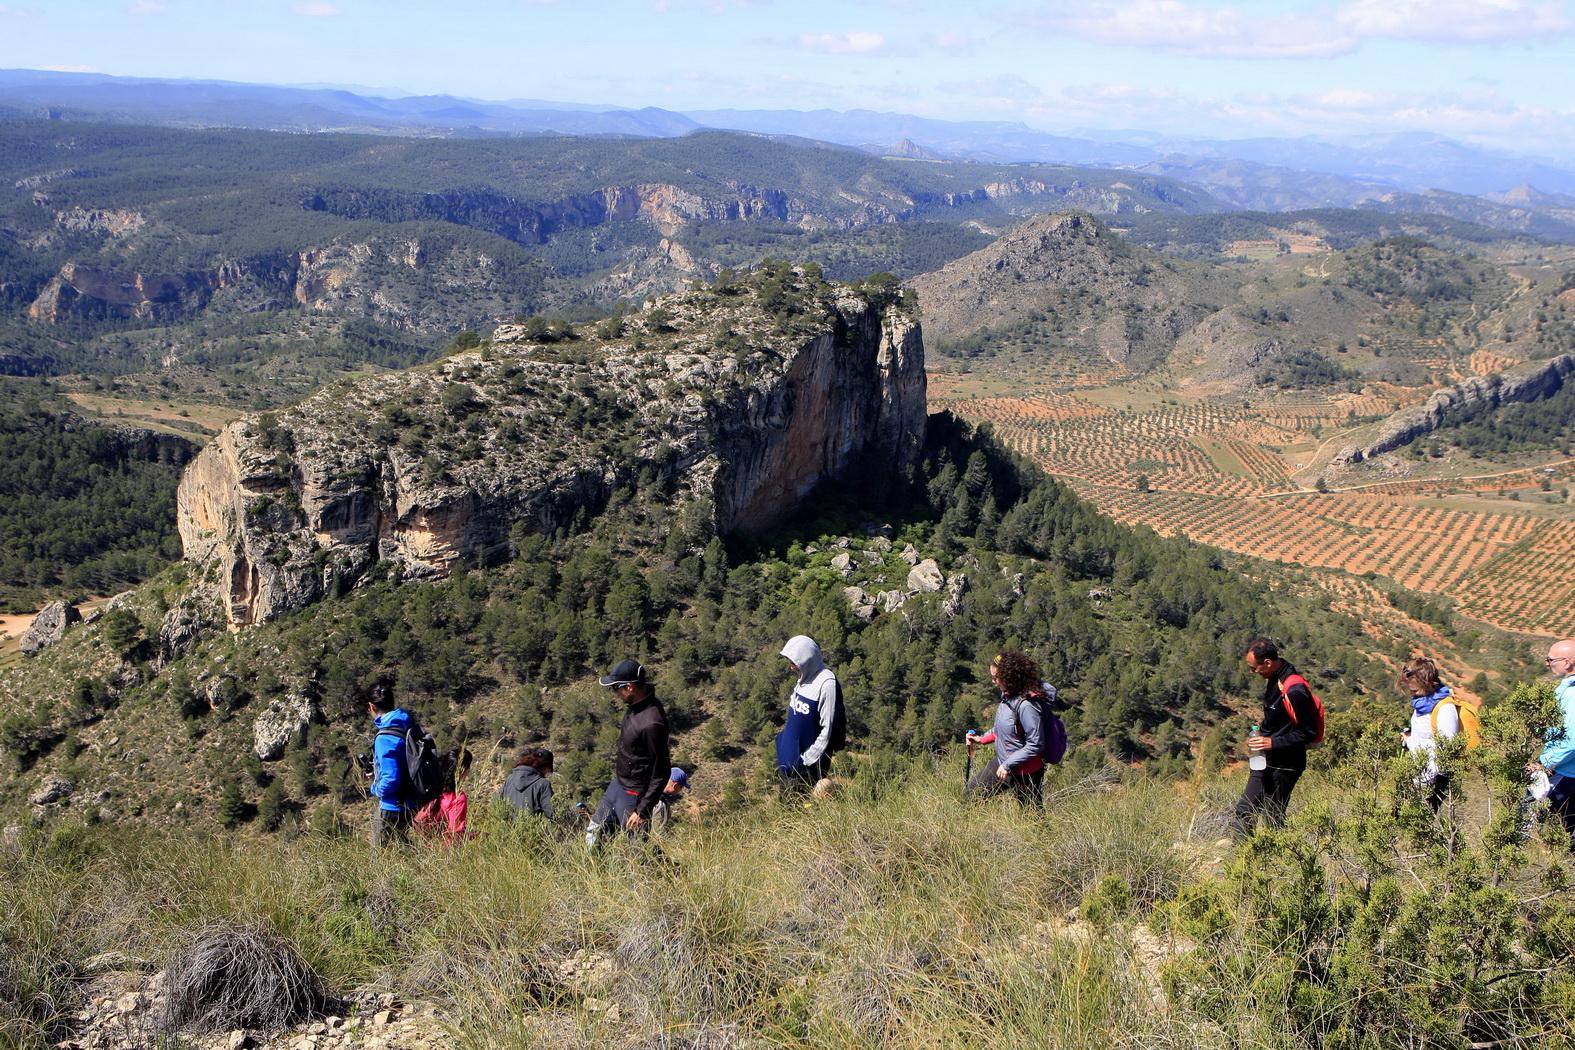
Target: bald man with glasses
<point>1558,757</point>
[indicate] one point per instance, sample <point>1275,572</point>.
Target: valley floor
<point>1244,476</point>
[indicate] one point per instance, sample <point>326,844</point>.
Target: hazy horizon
<point>1492,73</point>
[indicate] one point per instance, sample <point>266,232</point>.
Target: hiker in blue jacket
<point>816,720</point>
<point>392,819</point>
<point>1558,757</point>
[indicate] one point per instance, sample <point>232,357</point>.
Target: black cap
<point>625,673</point>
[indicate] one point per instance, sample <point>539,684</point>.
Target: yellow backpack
<point>1470,720</point>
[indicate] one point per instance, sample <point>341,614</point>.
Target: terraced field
<point>1217,472</point>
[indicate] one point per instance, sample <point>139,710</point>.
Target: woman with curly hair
<point>1435,715</point>
<point>1018,732</point>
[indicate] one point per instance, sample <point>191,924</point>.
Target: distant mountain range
<point>1261,173</point>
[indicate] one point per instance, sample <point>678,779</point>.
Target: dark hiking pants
<point>390,826</point>
<point>1268,793</point>
<point>1027,787</point>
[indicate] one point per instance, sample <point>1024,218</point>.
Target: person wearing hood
<point>527,788</point>
<point>1435,715</point>
<point>816,721</point>
<point>392,820</point>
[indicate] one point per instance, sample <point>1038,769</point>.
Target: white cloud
<point>953,41</point>
<point>1181,28</point>
<point>1455,21</point>
<point>315,9</point>
<point>146,7</point>
<point>67,69</point>
<point>844,43</point>
<point>1223,31</point>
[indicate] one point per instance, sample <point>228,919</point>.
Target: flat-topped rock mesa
<point>740,396</point>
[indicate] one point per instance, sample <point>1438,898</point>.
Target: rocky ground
<point>123,1008</point>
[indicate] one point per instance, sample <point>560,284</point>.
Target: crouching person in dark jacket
<point>527,788</point>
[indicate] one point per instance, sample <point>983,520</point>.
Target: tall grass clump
<point>231,977</point>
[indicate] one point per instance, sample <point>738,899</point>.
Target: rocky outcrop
<point>48,627</point>
<point>89,293</point>
<point>1065,281</point>
<point>279,723</point>
<point>389,277</point>
<point>1530,385</point>
<point>53,789</point>
<point>432,468</point>
<point>114,222</point>
<point>535,222</point>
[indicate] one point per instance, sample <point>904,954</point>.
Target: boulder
<point>926,577</point>
<point>863,605</point>
<point>843,563</point>
<point>283,719</point>
<point>53,789</point>
<point>48,627</point>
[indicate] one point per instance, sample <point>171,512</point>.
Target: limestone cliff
<point>1527,385</point>
<point>745,396</point>
<point>407,280</point>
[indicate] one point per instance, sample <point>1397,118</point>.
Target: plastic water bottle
<point>1256,759</point>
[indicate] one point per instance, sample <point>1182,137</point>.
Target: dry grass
<point>232,977</point>
<point>892,916</point>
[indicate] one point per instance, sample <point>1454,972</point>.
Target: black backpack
<point>420,765</point>
<point>839,725</point>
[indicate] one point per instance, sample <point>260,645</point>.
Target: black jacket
<point>643,758</point>
<point>1290,737</point>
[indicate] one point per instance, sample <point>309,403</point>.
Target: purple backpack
<point>1052,731</point>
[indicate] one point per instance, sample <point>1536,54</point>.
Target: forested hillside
<point>85,508</point>
<point>1142,633</point>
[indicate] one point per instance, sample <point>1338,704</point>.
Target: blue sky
<point>1492,72</point>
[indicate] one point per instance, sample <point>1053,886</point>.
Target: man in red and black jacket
<point>1292,719</point>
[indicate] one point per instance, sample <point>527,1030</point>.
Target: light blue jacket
<point>1558,758</point>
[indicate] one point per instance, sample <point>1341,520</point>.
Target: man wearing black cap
<point>643,759</point>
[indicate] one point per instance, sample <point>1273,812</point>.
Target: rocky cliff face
<point>741,398</point>
<point>86,292</point>
<point>1529,385</point>
<point>406,281</point>
<point>534,222</point>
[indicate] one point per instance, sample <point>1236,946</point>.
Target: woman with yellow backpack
<point>1436,714</point>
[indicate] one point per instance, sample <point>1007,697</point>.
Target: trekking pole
<point>968,768</point>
